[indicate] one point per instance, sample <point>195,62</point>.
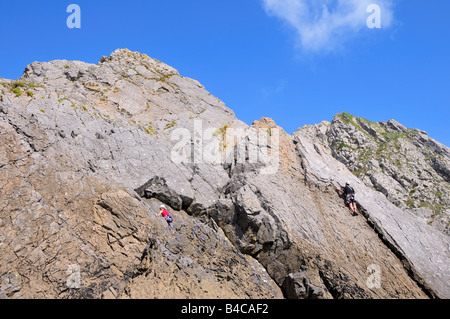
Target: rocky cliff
<point>411,169</point>
<point>89,152</point>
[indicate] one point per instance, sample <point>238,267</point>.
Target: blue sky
<point>291,60</point>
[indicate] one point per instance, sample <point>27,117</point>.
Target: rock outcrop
<point>411,169</point>
<point>74,147</point>
<point>89,152</point>
<point>412,241</point>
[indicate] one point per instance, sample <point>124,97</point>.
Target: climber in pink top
<point>167,216</point>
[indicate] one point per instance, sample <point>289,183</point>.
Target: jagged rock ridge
<point>86,160</point>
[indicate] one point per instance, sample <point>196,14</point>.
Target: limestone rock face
<point>296,225</point>
<point>72,153</point>
<point>89,152</point>
<point>414,242</point>
<point>411,169</point>
<point>197,262</point>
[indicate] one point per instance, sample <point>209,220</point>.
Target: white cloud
<point>325,25</point>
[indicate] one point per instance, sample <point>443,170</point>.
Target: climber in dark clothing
<point>349,193</point>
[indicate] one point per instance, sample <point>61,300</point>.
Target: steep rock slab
<point>422,249</point>
<point>83,238</point>
<point>196,262</point>
<point>87,135</point>
<point>411,169</point>
<point>71,155</point>
<point>303,234</point>
<point>120,115</point>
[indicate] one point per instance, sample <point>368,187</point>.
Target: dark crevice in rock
<point>157,188</point>
<point>441,169</point>
<point>298,285</point>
